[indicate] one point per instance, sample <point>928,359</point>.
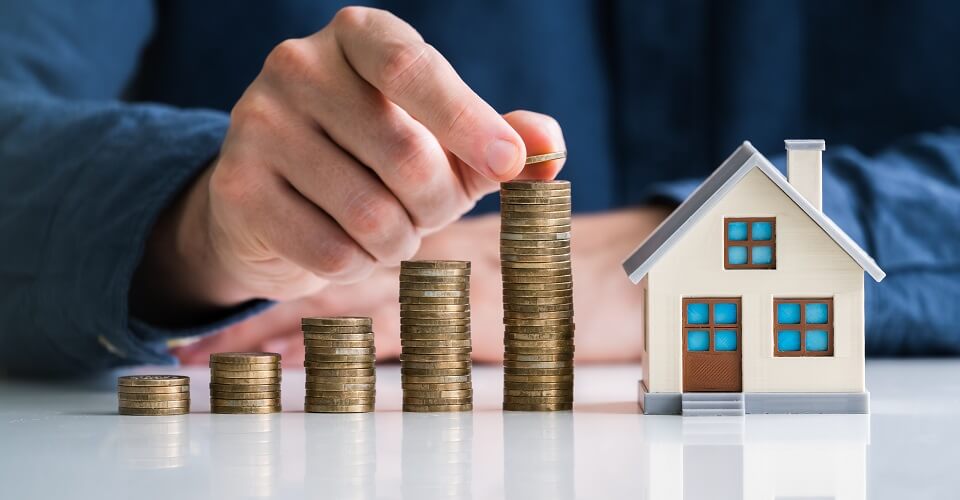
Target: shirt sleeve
<point>83,177</point>
<point>902,205</point>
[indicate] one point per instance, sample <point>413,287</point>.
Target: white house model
<point>753,298</point>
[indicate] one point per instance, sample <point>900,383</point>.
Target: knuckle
<point>233,182</point>
<point>370,216</point>
<point>410,156</point>
<point>352,17</point>
<point>402,62</point>
<point>336,258</point>
<point>255,109</point>
<point>290,58</point>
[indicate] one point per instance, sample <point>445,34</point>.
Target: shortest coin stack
<point>153,395</point>
<point>340,362</point>
<point>245,382</point>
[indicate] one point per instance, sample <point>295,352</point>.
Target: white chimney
<point>805,168</point>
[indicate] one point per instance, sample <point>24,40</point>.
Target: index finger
<point>390,55</point>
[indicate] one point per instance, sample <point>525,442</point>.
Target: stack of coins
<point>537,295</point>
<point>245,382</point>
<point>153,395</point>
<point>340,363</point>
<point>435,336</point>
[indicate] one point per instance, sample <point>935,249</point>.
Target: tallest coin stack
<point>537,295</point>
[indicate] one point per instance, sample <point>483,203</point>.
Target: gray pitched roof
<point>734,168</point>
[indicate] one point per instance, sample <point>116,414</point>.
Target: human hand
<point>350,145</point>
<point>607,306</point>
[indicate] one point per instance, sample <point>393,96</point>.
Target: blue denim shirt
<point>109,108</point>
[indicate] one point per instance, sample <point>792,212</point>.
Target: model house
<point>753,298</point>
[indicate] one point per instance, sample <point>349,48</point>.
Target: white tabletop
<point>66,441</point>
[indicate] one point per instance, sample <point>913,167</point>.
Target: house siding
<point>809,264</point>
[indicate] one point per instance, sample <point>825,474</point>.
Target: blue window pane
<point>737,231</point>
<point>761,231</point>
<point>817,313</point>
<point>698,340</point>
<point>697,314</point>
<point>762,255</point>
<point>737,255</point>
<point>788,341</point>
<point>788,314</point>
<point>725,313</point>
<point>817,340</point>
<point>725,340</point>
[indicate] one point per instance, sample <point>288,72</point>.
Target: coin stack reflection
<point>341,455</point>
<point>161,442</point>
<point>245,382</point>
<point>538,456</point>
<point>435,336</point>
<point>245,456</point>
<point>537,295</point>
<point>153,395</point>
<point>437,456</point>
<point>340,362</point>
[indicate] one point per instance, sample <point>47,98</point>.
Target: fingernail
<point>501,156</point>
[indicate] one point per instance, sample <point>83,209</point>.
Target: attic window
<point>750,243</point>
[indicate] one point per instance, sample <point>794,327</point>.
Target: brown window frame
<point>750,243</point>
<point>803,326</point>
<point>711,325</point>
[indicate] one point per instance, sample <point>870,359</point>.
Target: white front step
<point>701,404</point>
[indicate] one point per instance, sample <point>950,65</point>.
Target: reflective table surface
<point>66,441</point>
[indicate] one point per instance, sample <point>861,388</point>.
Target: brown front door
<point>711,345</point>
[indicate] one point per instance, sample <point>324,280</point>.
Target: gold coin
<point>538,357</point>
<point>537,225</point>
<point>435,294</point>
<point>438,273</point>
<point>538,371</point>
<point>308,401</point>
<point>365,408</point>
<point>405,321</point>
<point>170,396</point>
<point>538,399</point>
<point>245,395</point>
<point>242,367</point>
<point>545,315</point>
<point>538,289</point>
<point>434,315</point>
<point>339,365</point>
<point>558,329</point>
<point>434,336</point>
<point>557,155</point>
<point>245,374</point>
<point>452,386</point>
<point>341,358</point>
<point>538,378</point>
<point>245,357</point>
<point>173,389</point>
<point>437,408</point>
<point>435,372</point>
<point>179,403</point>
<point>337,321</point>
<point>333,344</point>
<point>562,270</point>
<point>454,394</point>
<point>435,350</point>
<point>454,279</point>
<point>441,365</point>
<point>534,365</point>
<point>414,331</point>
<point>506,207</point>
<point>238,410</point>
<point>152,380</point>
<point>534,259</point>
<point>542,308</point>
<point>447,343</point>
<point>538,393</point>
<point>510,279</point>
<point>339,373</point>
<point>558,343</point>
<point>435,264</point>
<point>215,379</point>
<point>538,407</point>
<point>434,300</point>
<point>540,245</point>
<point>551,214</point>
<point>335,394</point>
<point>428,379</point>
<point>342,380</point>
<point>318,389</point>
<point>512,201</point>
<point>339,337</point>
<point>513,349</point>
<point>232,387</point>
<point>338,330</point>
<point>153,412</point>
<point>436,401</point>
<point>430,358</point>
<point>510,266</point>
<point>552,233</point>
<point>434,308</point>
<point>244,402</point>
<point>420,285</point>
<point>339,351</point>
<point>537,322</point>
<point>547,297</point>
